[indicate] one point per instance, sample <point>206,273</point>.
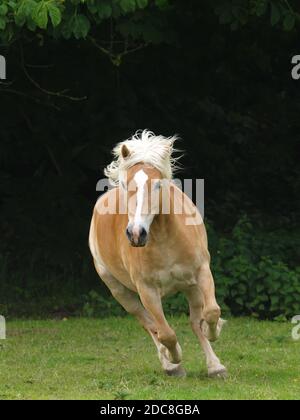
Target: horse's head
<point>141,164</point>
<point>142,184</point>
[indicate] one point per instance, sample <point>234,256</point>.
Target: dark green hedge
<point>251,272</point>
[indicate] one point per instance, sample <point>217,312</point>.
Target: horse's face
<point>142,186</point>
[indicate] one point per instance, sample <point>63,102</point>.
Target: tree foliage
<point>239,13</point>
<point>66,19</point>
<point>78,18</point>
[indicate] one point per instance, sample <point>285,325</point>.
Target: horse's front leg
<point>151,300</point>
<point>131,303</point>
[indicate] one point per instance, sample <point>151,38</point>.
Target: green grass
<point>114,358</point>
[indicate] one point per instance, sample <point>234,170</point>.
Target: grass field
<point>115,359</point>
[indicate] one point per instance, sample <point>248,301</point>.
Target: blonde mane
<point>144,147</point>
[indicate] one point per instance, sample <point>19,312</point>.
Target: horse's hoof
<point>219,372</point>
<point>178,371</point>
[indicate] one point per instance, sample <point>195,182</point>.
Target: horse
<point>143,253</point>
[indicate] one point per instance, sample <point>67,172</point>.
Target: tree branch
<point>60,94</point>
<point>116,59</point>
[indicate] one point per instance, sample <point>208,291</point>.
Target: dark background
<point>225,88</point>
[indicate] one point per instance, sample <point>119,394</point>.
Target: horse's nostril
<point>137,237</point>
<point>128,234</point>
<point>143,233</point>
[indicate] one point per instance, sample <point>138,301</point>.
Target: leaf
<point>260,288</point>
<point>161,3</point>
<point>54,13</point>
<point>289,22</point>
<point>81,26</point>
<point>240,301</point>
<point>104,10</point>
<point>40,15</point>
<point>92,7</point>
<point>142,3</point>
<point>2,22</point>
<point>67,30</point>
<point>275,300</point>
<point>20,20</point>
<point>127,5</point>
<point>261,8</point>
<point>31,25</point>
<point>275,14</point>
<point>3,9</point>
<point>25,10</point>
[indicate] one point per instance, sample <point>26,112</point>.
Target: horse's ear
<point>125,152</point>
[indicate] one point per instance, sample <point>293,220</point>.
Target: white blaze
<point>140,179</point>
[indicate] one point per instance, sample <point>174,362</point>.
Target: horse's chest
<point>175,278</point>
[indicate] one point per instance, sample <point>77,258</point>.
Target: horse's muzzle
<point>137,236</point>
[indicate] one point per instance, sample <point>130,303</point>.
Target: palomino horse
<point>144,253</point>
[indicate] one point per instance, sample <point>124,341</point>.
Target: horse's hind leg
<point>215,368</point>
<point>131,303</point>
<point>211,323</point>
